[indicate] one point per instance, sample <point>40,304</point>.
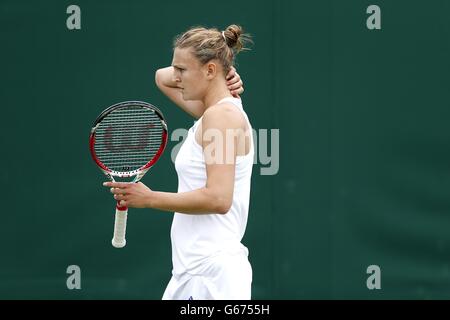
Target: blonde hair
<point>209,44</point>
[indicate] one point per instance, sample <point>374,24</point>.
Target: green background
<point>363,115</point>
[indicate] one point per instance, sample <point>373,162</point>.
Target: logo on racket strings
<point>127,138</point>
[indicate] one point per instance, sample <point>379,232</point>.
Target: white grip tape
<point>120,226</point>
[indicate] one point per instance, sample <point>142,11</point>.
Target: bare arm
<point>220,158</point>
<point>164,81</point>
<point>199,201</point>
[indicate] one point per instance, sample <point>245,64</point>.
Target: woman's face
<point>189,74</point>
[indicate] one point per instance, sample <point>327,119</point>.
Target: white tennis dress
<point>209,261</point>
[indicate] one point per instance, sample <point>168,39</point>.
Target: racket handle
<point>120,227</point>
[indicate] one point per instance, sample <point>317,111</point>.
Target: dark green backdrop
<point>364,175</point>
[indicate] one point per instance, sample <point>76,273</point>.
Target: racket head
<point>128,138</point>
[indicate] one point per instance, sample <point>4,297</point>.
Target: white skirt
<point>226,277</point>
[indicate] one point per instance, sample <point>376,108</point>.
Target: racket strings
<point>128,138</point>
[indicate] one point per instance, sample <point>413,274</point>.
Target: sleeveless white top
<point>198,238</point>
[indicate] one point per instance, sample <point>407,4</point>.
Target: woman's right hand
<point>234,83</point>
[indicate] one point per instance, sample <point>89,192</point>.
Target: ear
<point>210,70</point>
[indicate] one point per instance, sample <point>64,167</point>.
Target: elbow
<point>222,206</point>
<point>157,77</point>
<point>217,200</point>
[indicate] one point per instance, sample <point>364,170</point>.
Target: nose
<point>176,76</point>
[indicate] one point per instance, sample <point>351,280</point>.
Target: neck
<point>215,94</point>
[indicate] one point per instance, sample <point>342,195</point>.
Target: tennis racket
<point>126,140</point>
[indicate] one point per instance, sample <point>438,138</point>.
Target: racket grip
<point>120,227</point>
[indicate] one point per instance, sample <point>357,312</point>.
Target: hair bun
<point>235,38</point>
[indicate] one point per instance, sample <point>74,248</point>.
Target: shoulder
<point>223,114</point>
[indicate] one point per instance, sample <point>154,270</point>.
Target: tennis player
<point>214,167</point>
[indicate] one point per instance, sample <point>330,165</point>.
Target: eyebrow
<point>177,66</point>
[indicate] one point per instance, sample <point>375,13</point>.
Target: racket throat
<point>120,208</point>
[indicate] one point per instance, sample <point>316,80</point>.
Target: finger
<point>119,197</point>
<point>231,73</point>
<point>237,91</point>
<point>234,79</point>
<point>123,203</point>
<point>117,191</point>
<point>120,185</point>
<point>235,86</point>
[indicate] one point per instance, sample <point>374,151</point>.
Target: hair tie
<point>223,36</point>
